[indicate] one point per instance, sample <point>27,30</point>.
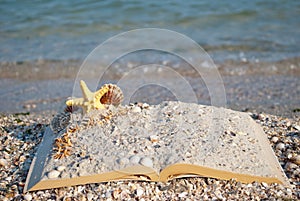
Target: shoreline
<point>56,69</point>
<point>275,95</point>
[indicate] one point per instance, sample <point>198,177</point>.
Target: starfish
<point>90,100</point>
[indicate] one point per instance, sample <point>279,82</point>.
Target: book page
<point>139,142</point>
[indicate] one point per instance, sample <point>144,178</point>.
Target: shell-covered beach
<point>21,134</point>
<point>270,98</point>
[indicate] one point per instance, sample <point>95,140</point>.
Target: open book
<point>154,143</point>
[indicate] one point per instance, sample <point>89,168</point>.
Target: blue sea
<point>69,30</point>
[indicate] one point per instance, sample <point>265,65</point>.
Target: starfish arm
<point>79,102</point>
<point>75,102</point>
<point>87,94</point>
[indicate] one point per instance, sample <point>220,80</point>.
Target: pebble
<point>135,159</point>
<point>241,133</point>
<point>139,192</point>
<point>183,194</point>
<point>53,174</point>
<point>8,178</point>
<point>28,197</point>
<point>61,168</point>
<point>261,117</point>
<point>297,127</point>
<point>264,184</point>
<point>90,196</point>
<point>154,138</point>
<point>22,158</point>
<point>280,146</point>
<point>136,109</point>
<point>274,139</point>
<point>3,162</point>
<point>145,105</point>
<point>296,159</point>
<point>290,166</point>
<point>123,161</point>
<point>146,161</point>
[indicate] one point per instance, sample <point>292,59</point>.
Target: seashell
<point>53,174</point>
<point>134,159</point>
<point>114,95</point>
<point>61,168</point>
<point>146,161</point>
<point>60,122</point>
<point>70,109</point>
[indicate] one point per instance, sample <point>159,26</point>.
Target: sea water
<point>71,29</point>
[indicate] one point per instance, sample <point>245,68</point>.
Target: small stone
<point>296,159</point>
<point>139,192</point>
<point>290,156</point>
<point>116,193</point>
<point>290,166</point>
<point>6,155</point>
<point>108,194</point>
<point>28,197</point>
<point>53,174</point>
<point>89,196</point>
<point>22,158</point>
<point>289,192</point>
<point>297,127</point>
<point>288,123</point>
<point>135,159</point>
<point>280,146</point>
<point>124,195</point>
<point>264,184</point>
<point>145,105</point>
<point>274,139</point>
<point>154,138</point>
<point>27,106</point>
<point>146,162</point>
<point>3,162</point>
<point>123,161</point>
<point>183,194</point>
<point>136,109</point>
<point>279,193</point>
<point>61,168</point>
<point>261,117</point>
<point>240,133</point>
<point>8,178</point>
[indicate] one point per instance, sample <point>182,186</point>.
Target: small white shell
<point>53,174</point>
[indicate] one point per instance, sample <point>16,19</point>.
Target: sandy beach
<point>31,97</point>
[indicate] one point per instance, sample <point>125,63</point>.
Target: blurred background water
<point>66,30</point>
